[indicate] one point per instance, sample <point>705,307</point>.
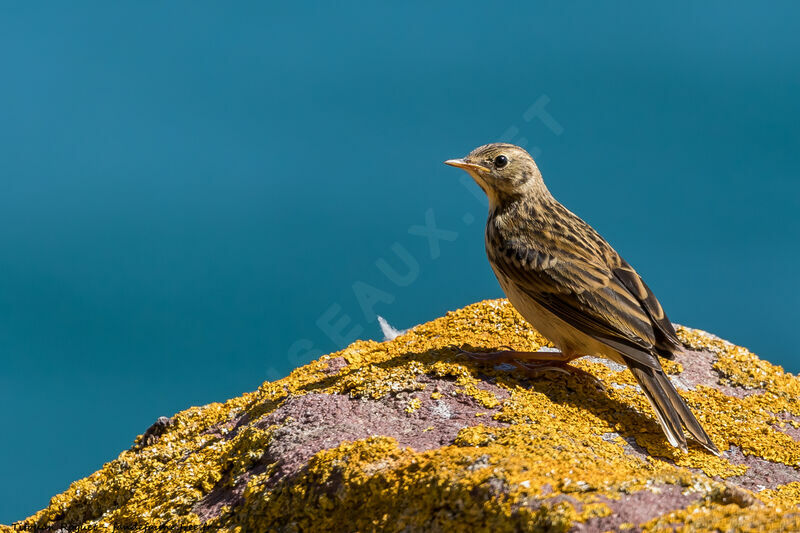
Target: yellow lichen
<point>708,516</point>
<point>594,510</point>
<point>413,405</point>
<point>550,438</point>
<point>485,398</point>
<point>784,496</point>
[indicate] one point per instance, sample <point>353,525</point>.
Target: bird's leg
<point>532,363</point>
<point>529,362</point>
<point>507,356</point>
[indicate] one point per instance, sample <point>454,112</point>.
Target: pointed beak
<point>460,163</point>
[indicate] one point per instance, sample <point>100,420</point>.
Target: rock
<point>152,434</point>
<point>407,435</point>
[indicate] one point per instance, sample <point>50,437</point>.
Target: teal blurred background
<point>193,197</point>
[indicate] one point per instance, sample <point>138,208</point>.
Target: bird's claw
<point>532,369</point>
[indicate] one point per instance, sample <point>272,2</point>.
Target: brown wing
<point>584,282</point>
<point>583,294</point>
<point>666,337</point>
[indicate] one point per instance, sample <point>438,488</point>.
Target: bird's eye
<point>500,161</point>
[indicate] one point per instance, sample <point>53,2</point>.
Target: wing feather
<point>585,283</point>
<point>666,337</point>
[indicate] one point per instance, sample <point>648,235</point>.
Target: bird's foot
<point>510,355</point>
<point>532,363</point>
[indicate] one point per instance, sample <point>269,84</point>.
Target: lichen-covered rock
<point>407,435</point>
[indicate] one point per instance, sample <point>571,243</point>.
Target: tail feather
<point>687,417</point>
<point>671,410</point>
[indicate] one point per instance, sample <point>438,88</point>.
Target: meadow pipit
<point>572,286</point>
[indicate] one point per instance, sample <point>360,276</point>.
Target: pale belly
<point>564,336</point>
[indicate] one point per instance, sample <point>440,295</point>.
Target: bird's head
<point>504,171</point>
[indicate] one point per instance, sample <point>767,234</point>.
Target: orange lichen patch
<point>484,398</point>
<point>783,496</point>
<point>710,516</point>
<point>594,510</point>
<point>375,382</point>
<point>550,450</point>
<point>413,405</point>
<point>671,367</point>
<point>475,436</point>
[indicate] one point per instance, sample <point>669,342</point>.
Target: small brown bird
<point>572,286</point>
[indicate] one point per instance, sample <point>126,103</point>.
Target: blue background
<point>186,188</point>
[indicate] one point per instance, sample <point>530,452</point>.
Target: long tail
<point>671,410</point>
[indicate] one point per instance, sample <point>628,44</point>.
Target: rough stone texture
<point>640,507</point>
<point>698,369</point>
<point>761,474</point>
<point>315,422</point>
<point>407,435</point>
<point>335,365</point>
